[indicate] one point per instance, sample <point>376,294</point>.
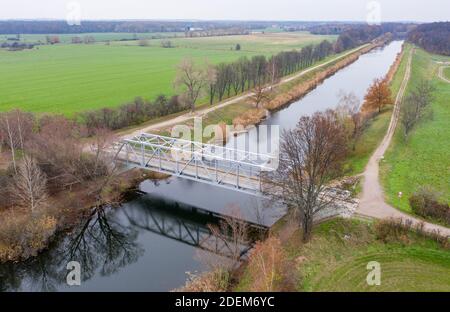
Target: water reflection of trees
<point>101,245</point>
<point>107,242</point>
<point>104,244</point>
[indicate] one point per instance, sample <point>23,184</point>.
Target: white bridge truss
<point>217,165</point>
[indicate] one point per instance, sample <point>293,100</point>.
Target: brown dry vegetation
<point>394,67</point>
<point>24,235</point>
<point>302,89</point>
<point>268,267</point>
<point>5,160</point>
<point>250,117</point>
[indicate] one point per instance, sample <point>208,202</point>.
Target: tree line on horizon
<point>132,26</point>
<point>433,37</point>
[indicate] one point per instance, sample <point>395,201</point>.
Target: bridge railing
<point>198,161</point>
<point>181,148</point>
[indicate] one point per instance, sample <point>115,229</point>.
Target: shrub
<point>267,267</point>
<point>213,281</point>
<point>24,235</point>
<point>400,230</point>
<point>425,203</point>
<point>250,117</point>
<point>129,114</point>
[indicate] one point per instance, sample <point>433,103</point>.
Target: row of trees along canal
<point>217,82</point>
<point>194,82</point>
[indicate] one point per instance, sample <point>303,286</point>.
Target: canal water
<point>150,242</point>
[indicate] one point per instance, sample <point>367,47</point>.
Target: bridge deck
<point>228,168</point>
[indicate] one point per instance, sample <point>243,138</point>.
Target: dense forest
<point>434,37</point>
<point>356,35</point>
<point>330,28</point>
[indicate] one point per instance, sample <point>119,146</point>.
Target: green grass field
<point>336,260</point>
<point>267,43</point>
<point>369,140</point>
<point>67,38</point>
<point>425,159</point>
<point>338,264</point>
<point>66,78</point>
<point>447,72</point>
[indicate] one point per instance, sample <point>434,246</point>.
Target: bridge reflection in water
<point>192,226</point>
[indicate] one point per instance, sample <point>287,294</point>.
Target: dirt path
<point>188,116</point>
<point>442,75</point>
<point>372,203</point>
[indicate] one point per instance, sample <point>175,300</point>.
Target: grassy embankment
<point>337,256</point>
<point>67,78</point>
<point>378,126</point>
<point>447,72</point>
<point>424,160</point>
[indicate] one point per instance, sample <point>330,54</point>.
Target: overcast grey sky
<point>391,10</point>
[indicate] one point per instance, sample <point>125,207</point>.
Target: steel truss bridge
<point>217,165</point>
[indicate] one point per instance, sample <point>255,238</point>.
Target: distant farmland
<point>67,78</point>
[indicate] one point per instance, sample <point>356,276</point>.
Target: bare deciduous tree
<point>260,95</point>
<point>58,149</point>
<point>349,108</point>
<point>104,162</point>
<point>426,92</point>
<point>101,141</point>
<point>191,80</point>
<point>29,185</point>
<point>144,43</point>
<point>408,117</point>
<point>211,76</point>
<point>310,156</point>
<point>15,128</point>
<point>229,237</point>
<point>267,266</point>
<point>166,44</point>
<point>415,104</point>
<point>273,71</point>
